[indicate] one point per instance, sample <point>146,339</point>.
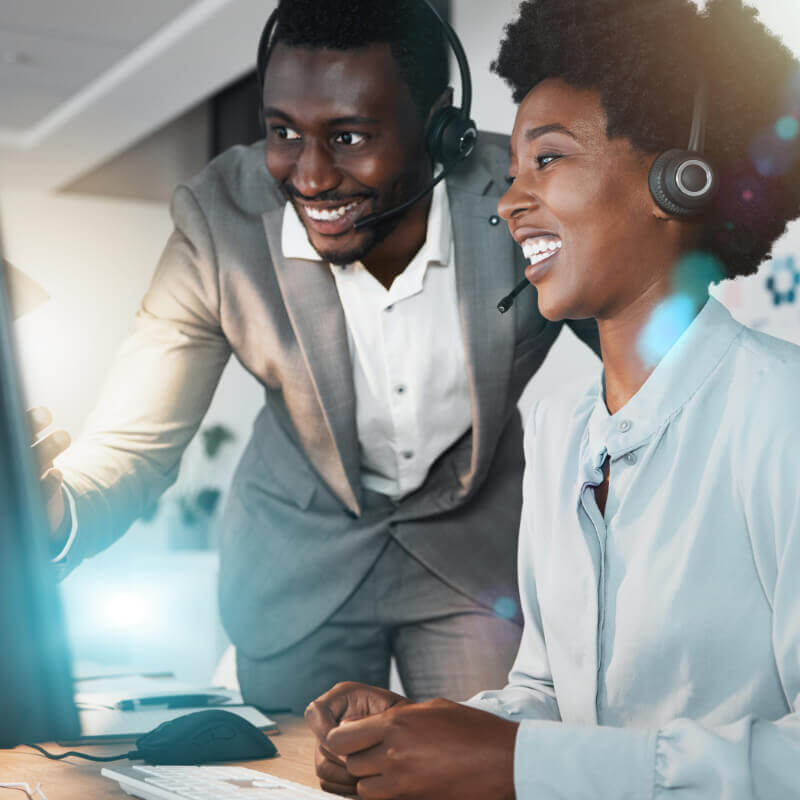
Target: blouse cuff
<point>554,760</point>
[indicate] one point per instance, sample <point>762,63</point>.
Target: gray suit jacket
<point>299,530</point>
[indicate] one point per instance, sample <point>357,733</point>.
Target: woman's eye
<point>350,138</point>
<point>547,158</point>
<point>288,134</point>
<point>510,179</point>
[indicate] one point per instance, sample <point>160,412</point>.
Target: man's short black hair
<point>408,26</point>
<point>645,59</point>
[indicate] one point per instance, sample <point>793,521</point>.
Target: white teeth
<point>329,214</point>
<point>537,250</point>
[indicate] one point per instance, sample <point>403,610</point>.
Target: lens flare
<point>787,128</point>
<point>670,318</point>
<point>505,607</point>
<point>127,609</point>
<point>772,154</point>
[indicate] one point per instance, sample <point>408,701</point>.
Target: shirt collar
<point>678,376</point>
<point>294,239</point>
<point>436,249</point>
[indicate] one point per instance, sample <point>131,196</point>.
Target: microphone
<point>374,219</point>
<point>508,300</point>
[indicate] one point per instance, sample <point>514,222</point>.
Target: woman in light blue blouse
<point>660,537</point>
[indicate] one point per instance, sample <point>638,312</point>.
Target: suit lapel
<point>484,257</point>
<point>316,314</point>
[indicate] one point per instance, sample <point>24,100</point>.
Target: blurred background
<point>105,106</point>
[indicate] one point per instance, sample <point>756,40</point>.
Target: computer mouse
<point>203,737</point>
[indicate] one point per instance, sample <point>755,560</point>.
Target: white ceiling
<point>82,80</point>
<point>49,50</point>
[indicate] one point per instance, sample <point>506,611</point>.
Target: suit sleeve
<point>156,394</point>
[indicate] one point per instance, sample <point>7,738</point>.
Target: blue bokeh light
<point>772,154</point>
<point>787,128</point>
<point>669,320</point>
<point>505,607</point>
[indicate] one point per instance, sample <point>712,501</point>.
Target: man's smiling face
<point>344,140</point>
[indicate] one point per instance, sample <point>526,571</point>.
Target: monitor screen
<point>35,682</point>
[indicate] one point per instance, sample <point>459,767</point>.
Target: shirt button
<point>624,426</point>
<point>494,220</point>
<point>630,458</point>
<point>388,308</point>
<point>400,389</point>
<point>408,454</point>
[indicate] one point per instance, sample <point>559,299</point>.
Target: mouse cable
<point>132,755</point>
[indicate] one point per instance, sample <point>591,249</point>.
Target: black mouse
<point>203,737</point>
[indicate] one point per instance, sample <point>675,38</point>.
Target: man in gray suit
<point>375,509</point>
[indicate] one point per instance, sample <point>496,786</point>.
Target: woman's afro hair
<point>646,58</point>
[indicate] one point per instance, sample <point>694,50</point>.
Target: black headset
<point>451,134</point>
<point>683,182</point>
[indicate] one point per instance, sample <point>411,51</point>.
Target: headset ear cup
<point>434,136</point>
<point>667,189</point>
<point>450,137</point>
<point>658,185</point>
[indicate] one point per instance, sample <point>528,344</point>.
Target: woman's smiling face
<point>580,207</point>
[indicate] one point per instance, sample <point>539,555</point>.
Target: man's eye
<point>547,158</point>
<point>350,138</point>
<point>510,179</point>
<point>282,132</point>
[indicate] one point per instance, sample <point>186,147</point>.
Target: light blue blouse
<point>661,651</point>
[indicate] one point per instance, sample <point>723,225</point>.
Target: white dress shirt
<point>407,352</point>
<point>661,650</point>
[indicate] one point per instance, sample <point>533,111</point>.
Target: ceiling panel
<point>174,67</point>
<point>52,62</point>
<point>110,20</point>
<point>22,109</point>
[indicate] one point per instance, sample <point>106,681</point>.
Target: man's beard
<point>374,234</point>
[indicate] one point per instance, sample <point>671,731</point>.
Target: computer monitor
<point>36,693</point>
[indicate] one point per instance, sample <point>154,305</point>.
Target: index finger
<point>320,718</point>
<point>50,447</point>
<point>352,737</point>
<point>39,418</point>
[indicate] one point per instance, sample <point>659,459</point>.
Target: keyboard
<point>208,783</point>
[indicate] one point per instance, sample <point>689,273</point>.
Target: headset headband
<point>265,45</point>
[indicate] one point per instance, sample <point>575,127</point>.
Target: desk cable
<point>25,787</point>
<point>131,755</point>
<point>37,793</point>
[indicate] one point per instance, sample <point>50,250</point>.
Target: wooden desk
<point>76,779</point>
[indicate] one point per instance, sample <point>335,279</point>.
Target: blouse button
<point>624,426</point>
<point>630,458</point>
